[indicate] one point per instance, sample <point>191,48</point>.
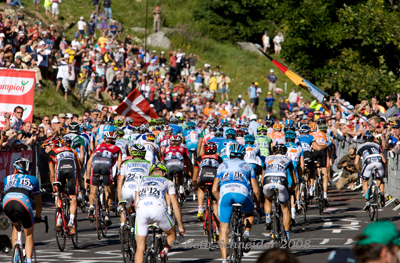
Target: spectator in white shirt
<point>265,40</point>
<point>293,97</point>
<point>81,28</point>
<point>75,43</point>
<point>278,39</point>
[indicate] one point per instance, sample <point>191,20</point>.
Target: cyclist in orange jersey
<point>277,136</point>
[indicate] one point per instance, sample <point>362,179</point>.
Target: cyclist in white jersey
<point>122,143</point>
<point>151,207</point>
<point>152,149</point>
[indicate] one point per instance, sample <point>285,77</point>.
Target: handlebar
<point>45,221</point>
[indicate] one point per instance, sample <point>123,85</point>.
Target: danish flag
<point>136,107</point>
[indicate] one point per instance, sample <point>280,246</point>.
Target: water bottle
<point>133,232</point>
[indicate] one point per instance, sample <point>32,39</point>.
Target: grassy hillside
<point>243,67</point>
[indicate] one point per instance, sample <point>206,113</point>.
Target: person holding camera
<point>350,174</point>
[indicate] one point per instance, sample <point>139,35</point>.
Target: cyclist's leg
<point>224,214</point>
<point>380,175</point>
<point>141,231</point>
<point>72,190</point>
<point>29,242</point>
<point>283,198</point>
<point>128,195</point>
<point>200,199</point>
<point>107,190</point>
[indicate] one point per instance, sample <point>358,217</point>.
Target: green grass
<point>243,67</point>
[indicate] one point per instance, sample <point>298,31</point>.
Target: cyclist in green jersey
<point>77,142</point>
<point>263,141</point>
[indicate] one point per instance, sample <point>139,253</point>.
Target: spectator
<point>278,39</point>
<point>156,19</point>
<point>96,4</point>
<point>265,41</point>
<point>392,110</point>
<point>258,91</point>
<point>36,5</point>
<point>63,74</point>
<point>192,61</point>
<point>282,107</point>
<point>223,84</point>
<point>252,93</point>
<point>15,2</point>
<point>272,79</point>
<point>293,97</point>
<point>213,83</point>
<point>207,75</point>
<point>113,29</point>
<point>107,8</point>
<point>240,102</point>
<point>350,174</point>
<point>270,102</point>
<point>96,86</point>
<point>55,9</point>
<point>103,23</point>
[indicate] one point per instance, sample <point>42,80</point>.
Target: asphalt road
<point>336,228</point>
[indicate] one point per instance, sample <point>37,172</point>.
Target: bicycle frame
<point>209,227</point>
<point>235,253</point>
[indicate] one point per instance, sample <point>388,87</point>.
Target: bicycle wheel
<point>17,255</point>
<point>304,201</point>
<point>376,203</point>
<point>320,198</point>
<point>371,211</point>
<point>126,244</point>
<point>104,227</point>
<point>61,237</point>
<point>233,253</point>
<point>210,227</point>
<point>75,238</point>
<point>275,230</point>
<point>149,256</point>
<point>99,225</point>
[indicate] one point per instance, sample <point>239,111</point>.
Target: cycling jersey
<point>174,157</point>
<point>204,132</point>
<point>89,135</point>
<point>105,157</point>
<point>319,137</point>
<point>305,141</point>
<point>240,140</point>
<point>277,137</point>
<point>176,129</point>
<point>252,156</point>
<point>159,137</point>
<point>223,148</point>
<point>164,142</point>
<point>217,141</point>
<point>76,139</point>
<point>151,204</point>
<point>371,154</point>
<point>141,139</point>
<point>102,129</point>
<point>294,152</point>
<point>235,184</point>
<point>208,137</point>
<point>18,189</point>
<point>151,151</point>
<point>123,145</point>
<point>191,139</point>
<point>128,130</point>
<point>207,164</point>
<point>264,143</point>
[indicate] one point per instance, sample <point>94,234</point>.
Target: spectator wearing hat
<point>113,30</point>
<point>223,85</point>
<point>272,79</point>
<point>379,242</point>
<point>278,39</point>
<point>269,100</point>
<point>240,102</point>
<point>349,174</point>
<point>156,19</point>
<point>81,27</point>
<point>265,41</point>
<point>19,64</point>
<point>207,74</point>
<point>107,8</point>
<point>55,9</point>
<point>391,110</point>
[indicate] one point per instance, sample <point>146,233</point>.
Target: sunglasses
<point>19,112</point>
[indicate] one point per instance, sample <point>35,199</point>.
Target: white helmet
<point>179,114</point>
<point>253,117</point>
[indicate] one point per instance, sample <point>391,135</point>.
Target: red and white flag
<point>136,107</point>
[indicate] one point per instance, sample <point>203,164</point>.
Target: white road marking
<point>349,241</point>
<point>324,241</point>
<point>336,231</point>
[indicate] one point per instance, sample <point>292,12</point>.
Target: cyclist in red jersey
<point>101,162</point>
<point>176,158</point>
<point>164,142</point>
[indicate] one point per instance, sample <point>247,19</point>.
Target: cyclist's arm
<point>38,201</point>
<point>357,159</point>
<point>121,181</point>
<point>195,175</point>
<point>82,153</point>
<point>199,147</point>
<point>256,191</point>
<point>302,166</point>
<point>89,167</point>
<point>383,159</point>
<point>119,161</point>
<point>319,147</point>
<point>294,180</point>
<point>189,166</point>
<point>215,190</point>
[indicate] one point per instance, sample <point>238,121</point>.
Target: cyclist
<point>321,155</point>
<point>277,136</point>
<point>276,175</point>
<point>207,132</point>
<point>252,155</point>
<point>236,179</point>
<point>122,143</point>
<point>142,138</point>
<point>151,207</point>
<point>176,129</point>
<point>88,136</point>
<point>263,141</point>
<point>118,123</point>
<point>295,153</point>
<point>176,157</point>
<point>179,115</point>
<point>269,123</point>
<point>191,137</point>
<point>223,146</point>
<point>164,142</point>
<point>373,158</point>
<point>240,133</point>
<point>205,171</point>
<point>218,135</point>
<point>127,128</point>
<point>78,143</point>
<point>101,162</point>
<point>65,162</point>
<point>19,187</point>
<point>152,125</point>
<point>107,126</point>
<point>152,149</point>
<point>132,170</point>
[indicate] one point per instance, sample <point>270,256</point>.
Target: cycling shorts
<point>175,167</point>
<point>308,160</point>
<point>191,145</point>
<point>18,207</point>
<point>66,169</point>
<point>128,192</point>
<point>233,193</point>
<point>278,182</point>
<point>102,166</point>
<point>149,212</point>
<point>370,165</point>
<point>206,175</point>
<point>322,157</point>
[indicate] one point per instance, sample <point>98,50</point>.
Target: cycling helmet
<point>368,137</point>
<point>321,121</point>
<point>152,122</point>
<point>108,120</point>
<point>262,129</point>
<point>23,165</point>
<point>210,147</point>
<point>67,141</point>
<point>218,131</point>
<point>269,123</point>
<point>138,150</point>
<point>245,123</point>
<point>290,135</point>
<point>150,137</point>
<point>240,133</point>
<point>73,127</point>
<point>253,117</point>
<point>120,132</point>
<point>245,130</point>
<point>136,129</point>
<point>305,129</point>
<point>168,128</point>
<point>313,127</point>
<point>118,122</point>
<point>279,149</point>
<point>110,135</point>
<point>230,131</point>
<point>128,121</point>
<point>160,120</point>
<point>144,128</point>
<point>49,142</point>
<point>277,127</point>
<point>288,122</point>
<point>249,138</point>
<point>224,123</point>
<point>175,138</point>
<point>323,128</point>
<point>190,125</point>
<point>268,118</point>
<point>159,166</point>
<point>237,151</point>
<point>174,119</point>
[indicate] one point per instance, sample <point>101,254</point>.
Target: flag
<point>136,107</point>
<point>300,81</point>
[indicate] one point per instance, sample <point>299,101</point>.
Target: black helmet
<point>279,149</point>
<point>368,137</point>
<point>73,127</point>
<point>109,120</point>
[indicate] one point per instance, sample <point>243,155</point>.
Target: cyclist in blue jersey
<point>218,136</point>
<point>191,137</point>
<point>18,188</point>
<point>223,146</point>
<point>86,133</point>
<point>224,123</point>
<point>252,155</point>
<point>236,180</point>
<point>107,126</point>
<point>176,129</point>
<point>295,153</point>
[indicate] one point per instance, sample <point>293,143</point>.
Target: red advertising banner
<point>17,88</point>
<point>6,162</point>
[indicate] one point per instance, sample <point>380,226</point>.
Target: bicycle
<point>209,222</point>
<point>154,249</point>
<point>101,227</point>
<point>319,192</point>
<point>374,195</point>
<point>235,252</point>
<point>304,195</point>
<point>63,210</point>
<point>127,237</point>
<point>18,250</point>
<point>278,229</point>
